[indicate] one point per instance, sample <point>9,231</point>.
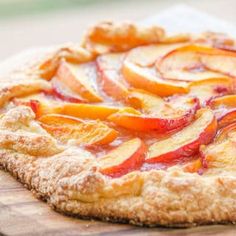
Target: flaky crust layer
<point>68,178</point>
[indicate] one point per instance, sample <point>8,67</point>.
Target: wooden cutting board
<point>22,214</point>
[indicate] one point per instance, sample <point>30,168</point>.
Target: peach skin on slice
<point>228,101</point>
<point>185,64</point>
<point>225,132</point>
<point>186,142</point>
<point>127,157</point>
<point>146,56</point>
<point>80,79</point>
<point>79,110</point>
<point>226,117</point>
<point>65,128</point>
<point>161,121</point>
<point>220,61</point>
<point>225,109</point>
<point>208,89</point>
<point>155,105</point>
<point>59,90</point>
<point>110,78</point>
<point>221,153</point>
<point>142,78</point>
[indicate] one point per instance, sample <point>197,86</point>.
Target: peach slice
<point>146,56</point>
<point>79,110</point>
<point>146,101</point>
<point>225,132</point>
<point>179,61</point>
<point>110,78</point>
<point>192,74</point>
<point>186,142</point>
<point>127,157</point>
<point>59,90</point>
<point>65,128</point>
<point>89,111</point>
<point>228,101</point>
<point>155,105</point>
<point>60,120</point>
<point>208,89</point>
<point>162,120</point>
<point>112,85</point>
<point>223,62</point>
<point>79,79</point>
<point>43,106</point>
<point>225,109</point>
<point>186,64</point>
<point>221,153</point>
<point>146,123</point>
<point>227,118</point>
<point>142,78</point>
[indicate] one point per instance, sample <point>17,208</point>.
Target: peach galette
<point>131,125</point>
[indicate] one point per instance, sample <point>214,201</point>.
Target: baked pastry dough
<point>150,143</point>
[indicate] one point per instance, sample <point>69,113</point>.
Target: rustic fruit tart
<point>132,125</point>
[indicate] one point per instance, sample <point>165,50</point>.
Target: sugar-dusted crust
<point>68,178</point>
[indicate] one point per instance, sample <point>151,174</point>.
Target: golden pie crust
<point>68,178</point>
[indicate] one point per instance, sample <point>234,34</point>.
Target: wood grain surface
<point>22,214</point>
